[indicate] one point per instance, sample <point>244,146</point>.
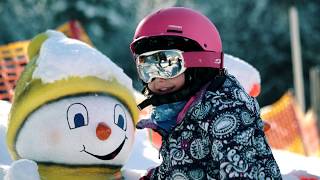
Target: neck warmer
<point>165,115</point>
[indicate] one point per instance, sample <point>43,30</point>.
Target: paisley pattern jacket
<point>220,137</point>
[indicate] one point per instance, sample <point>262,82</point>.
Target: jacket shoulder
<point>215,101</point>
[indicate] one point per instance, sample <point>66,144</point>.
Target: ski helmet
<point>186,30</point>
<point>182,22</point>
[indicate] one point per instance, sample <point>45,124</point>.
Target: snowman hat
<point>61,67</point>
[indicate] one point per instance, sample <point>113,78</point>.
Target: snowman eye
<point>77,115</point>
<point>120,117</point>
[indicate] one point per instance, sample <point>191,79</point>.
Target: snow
<point>3,170</point>
<point>55,61</point>
<point>243,71</point>
<point>23,169</point>
<point>143,151</point>
<point>296,164</point>
<point>4,111</point>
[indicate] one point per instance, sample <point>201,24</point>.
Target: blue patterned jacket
<point>220,137</point>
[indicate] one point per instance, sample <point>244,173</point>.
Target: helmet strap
<point>157,100</point>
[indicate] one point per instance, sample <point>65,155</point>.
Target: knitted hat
<point>61,67</point>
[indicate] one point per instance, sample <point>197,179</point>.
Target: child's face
<point>165,86</point>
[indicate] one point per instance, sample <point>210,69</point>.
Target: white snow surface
<point>144,155</point>
<point>61,57</point>
<point>245,73</point>
<point>292,164</point>
<point>4,111</point>
<point>22,169</point>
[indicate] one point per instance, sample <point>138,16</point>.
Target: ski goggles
<point>171,63</point>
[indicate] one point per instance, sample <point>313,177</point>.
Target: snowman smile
<point>109,156</point>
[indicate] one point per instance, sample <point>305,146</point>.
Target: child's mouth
<point>165,89</point>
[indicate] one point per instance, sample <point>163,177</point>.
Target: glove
<point>148,123</point>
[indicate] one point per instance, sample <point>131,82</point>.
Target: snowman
<point>73,114</point>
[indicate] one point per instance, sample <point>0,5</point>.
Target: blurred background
<point>256,31</point>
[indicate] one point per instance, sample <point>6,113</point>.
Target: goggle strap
<point>203,59</point>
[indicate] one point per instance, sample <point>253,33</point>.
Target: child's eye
<point>77,116</point>
<point>120,117</point>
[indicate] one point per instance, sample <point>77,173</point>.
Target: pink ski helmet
<point>183,22</point>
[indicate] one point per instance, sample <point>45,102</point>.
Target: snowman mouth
<point>109,156</point>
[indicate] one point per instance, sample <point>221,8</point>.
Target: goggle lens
<point>163,64</point>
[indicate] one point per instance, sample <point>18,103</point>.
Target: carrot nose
<point>103,131</point>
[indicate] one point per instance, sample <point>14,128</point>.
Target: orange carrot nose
<point>103,131</point>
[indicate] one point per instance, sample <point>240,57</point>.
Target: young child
<point>210,127</point>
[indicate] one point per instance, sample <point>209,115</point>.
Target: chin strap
<point>144,104</point>
<point>157,100</point>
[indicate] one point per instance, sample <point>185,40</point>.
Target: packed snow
<point>22,169</point>
<point>56,62</point>
<point>243,71</point>
<point>4,110</point>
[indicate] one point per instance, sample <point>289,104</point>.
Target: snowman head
<point>72,106</point>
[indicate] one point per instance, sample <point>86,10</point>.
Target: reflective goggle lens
<point>163,64</point>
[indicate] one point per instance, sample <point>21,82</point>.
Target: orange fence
<point>13,58</point>
<point>291,130</point>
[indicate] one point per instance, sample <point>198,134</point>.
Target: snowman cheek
<point>54,137</point>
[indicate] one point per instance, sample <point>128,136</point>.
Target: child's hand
<point>146,123</point>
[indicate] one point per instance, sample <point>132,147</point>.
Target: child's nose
<point>160,80</point>
<point>103,131</point>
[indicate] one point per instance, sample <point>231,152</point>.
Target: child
<point>210,127</point>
